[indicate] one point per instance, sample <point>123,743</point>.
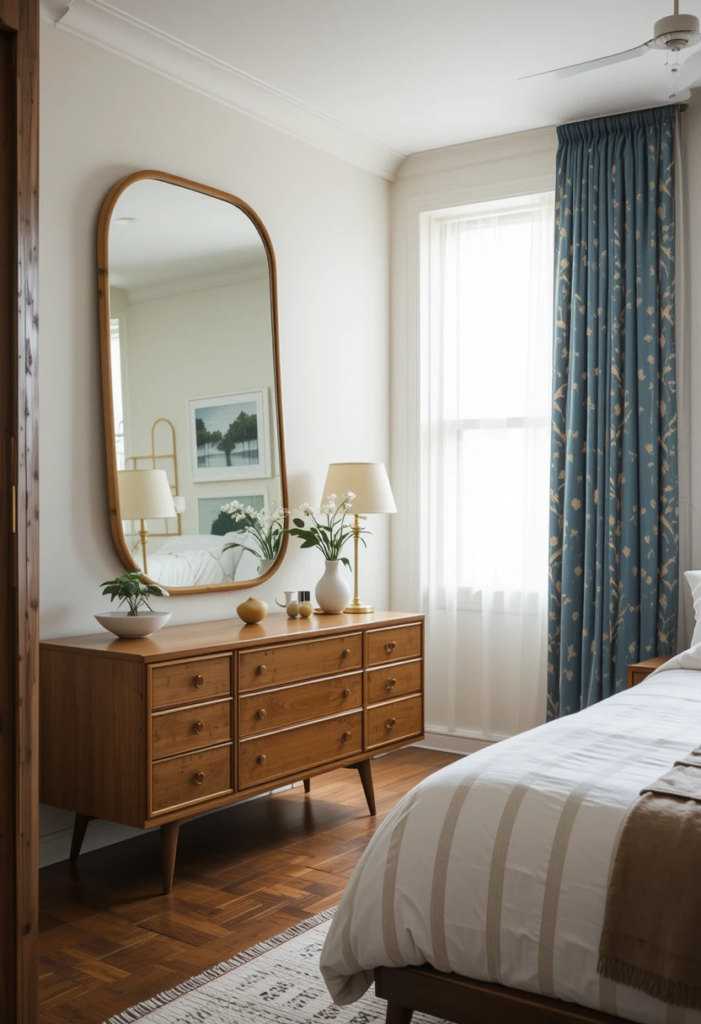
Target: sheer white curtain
<point>486,383</point>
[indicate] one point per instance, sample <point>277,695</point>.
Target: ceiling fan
<point>672,34</point>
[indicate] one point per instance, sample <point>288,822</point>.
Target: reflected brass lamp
<point>145,494</point>
<point>373,496</point>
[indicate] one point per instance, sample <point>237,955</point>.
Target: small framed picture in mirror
<point>229,436</point>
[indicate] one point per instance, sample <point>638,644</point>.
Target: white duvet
<point>195,561</point>
<point>497,866</point>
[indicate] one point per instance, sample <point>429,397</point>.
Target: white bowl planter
<point>125,626</point>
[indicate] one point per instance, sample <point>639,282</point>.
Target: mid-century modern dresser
<point>152,732</point>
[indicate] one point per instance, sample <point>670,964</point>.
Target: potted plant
<point>140,619</point>
<point>329,534</point>
<point>264,529</point>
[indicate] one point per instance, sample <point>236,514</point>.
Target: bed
<point>482,895</point>
<point>195,560</point>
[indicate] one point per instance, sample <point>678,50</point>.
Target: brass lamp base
<point>358,608</point>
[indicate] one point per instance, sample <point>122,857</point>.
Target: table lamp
<point>373,496</point>
<point>145,494</point>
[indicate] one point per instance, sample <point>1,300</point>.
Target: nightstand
<point>642,669</point>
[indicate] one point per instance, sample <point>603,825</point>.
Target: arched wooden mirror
<point>191,384</point>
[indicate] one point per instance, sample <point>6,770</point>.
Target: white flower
<point>350,496</point>
<point>306,509</point>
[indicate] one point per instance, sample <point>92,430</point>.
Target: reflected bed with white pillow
<point>195,560</point>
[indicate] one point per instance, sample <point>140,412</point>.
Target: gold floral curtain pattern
<point>614,536</point>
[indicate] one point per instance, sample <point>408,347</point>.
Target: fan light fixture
<point>673,34</point>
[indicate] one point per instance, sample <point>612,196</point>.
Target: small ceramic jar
<point>252,611</point>
<point>304,604</point>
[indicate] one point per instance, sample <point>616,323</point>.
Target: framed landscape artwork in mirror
<point>191,382</point>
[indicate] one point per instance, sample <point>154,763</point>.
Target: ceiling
<point>161,235</point>
<point>373,80</point>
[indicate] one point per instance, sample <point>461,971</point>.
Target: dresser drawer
<point>290,705</point>
<point>200,725</point>
<point>191,779</point>
<point>394,681</point>
<point>293,751</point>
<point>291,663</point>
<point>396,644</point>
<point>190,682</point>
<point>397,720</point>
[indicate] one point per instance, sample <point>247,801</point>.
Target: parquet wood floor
<point>110,939</point>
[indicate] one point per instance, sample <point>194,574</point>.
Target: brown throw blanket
<point>652,925</point>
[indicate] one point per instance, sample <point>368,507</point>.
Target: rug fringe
<point>140,1010</point>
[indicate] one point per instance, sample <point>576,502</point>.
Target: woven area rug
<point>276,982</point>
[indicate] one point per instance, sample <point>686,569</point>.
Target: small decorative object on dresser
<point>152,732</point>
<point>641,669</point>
<point>252,611</point>
<point>129,590</point>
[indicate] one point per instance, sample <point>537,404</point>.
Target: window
<point>486,381</point>
<point>117,399</point>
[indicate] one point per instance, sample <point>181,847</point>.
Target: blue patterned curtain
<point>613,484</point>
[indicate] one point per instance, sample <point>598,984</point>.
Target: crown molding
<point>98,22</point>
<point>185,285</point>
<point>481,151</point>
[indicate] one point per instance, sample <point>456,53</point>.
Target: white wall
<point>103,118</point>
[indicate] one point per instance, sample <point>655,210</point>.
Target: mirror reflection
<point>193,385</point>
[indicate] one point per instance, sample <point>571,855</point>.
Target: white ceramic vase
<point>332,592</point>
<point>265,564</point>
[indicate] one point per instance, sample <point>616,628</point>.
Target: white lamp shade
<point>179,503</point>
<point>367,480</point>
<point>145,494</point>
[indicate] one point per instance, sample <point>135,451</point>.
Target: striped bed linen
<point>497,866</point>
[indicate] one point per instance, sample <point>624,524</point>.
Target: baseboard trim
<point>452,743</point>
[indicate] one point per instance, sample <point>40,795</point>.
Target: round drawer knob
<point>390,684</point>
<point>346,737</point>
<point>262,759</point>
<point>198,727</point>
<point>261,670</point>
<point>346,694</point>
<point>390,723</point>
<point>261,713</point>
<point>390,646</point>
<point>199,778</point>
<point>346,653</point>
<point>198,681</point>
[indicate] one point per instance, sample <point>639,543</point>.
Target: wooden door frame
<point>19,502</point>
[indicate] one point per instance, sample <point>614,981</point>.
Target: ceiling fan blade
<point>592,65</point>
<point>691,72</point>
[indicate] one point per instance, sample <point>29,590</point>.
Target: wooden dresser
<point>153,732</point>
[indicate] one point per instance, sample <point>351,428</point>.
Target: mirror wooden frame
<point>103,292</point>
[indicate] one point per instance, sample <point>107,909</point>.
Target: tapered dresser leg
<point>80,827</point>
<point>365,772</point>
<point>169,847</point>
<point>307,785</point>
<point>398,1014</point>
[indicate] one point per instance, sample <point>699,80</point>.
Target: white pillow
<point>693,578</point>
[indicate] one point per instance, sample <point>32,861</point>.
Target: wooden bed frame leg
<point>397,1014</point>
<point>307,785</point>
<point>169,848</point>
<point>365,773</point>
<point>80,827</point>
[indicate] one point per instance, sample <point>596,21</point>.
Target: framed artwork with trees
<point>229,437</point>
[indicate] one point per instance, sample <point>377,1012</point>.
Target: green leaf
<point>299,522</point>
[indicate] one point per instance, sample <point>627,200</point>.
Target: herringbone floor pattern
<point>110,939</point>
